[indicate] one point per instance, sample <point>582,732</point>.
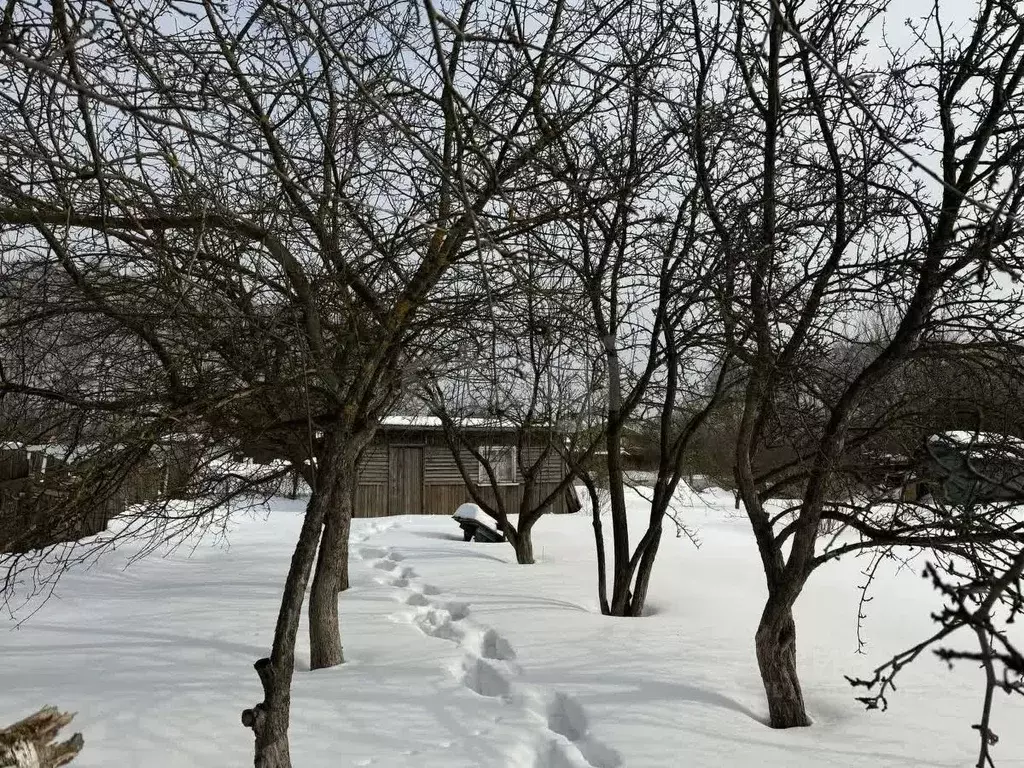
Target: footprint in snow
<point>484,679</point>
<point>417,600</point>
<point>565,717</point>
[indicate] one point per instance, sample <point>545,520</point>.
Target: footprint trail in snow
<point>487,667</point>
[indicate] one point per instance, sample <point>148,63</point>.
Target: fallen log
<point>29,742</point>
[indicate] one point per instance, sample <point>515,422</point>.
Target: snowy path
<point>487,667</point>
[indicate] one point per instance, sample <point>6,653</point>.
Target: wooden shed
<point>409,469</point>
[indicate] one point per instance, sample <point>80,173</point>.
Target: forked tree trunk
<point>324,628</point>
<point>776,658</point>
<point>643,575</point>
<point>331,574</point>
<point>269,719</point>
<point>29,743</point>
<point>621,595</point>
<point>629,590</point>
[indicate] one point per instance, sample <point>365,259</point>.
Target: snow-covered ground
<point>458,657</point>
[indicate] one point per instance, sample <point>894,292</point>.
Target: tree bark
<point>602,566</point>
<point>643,575</point>
<point>344,536</point>
<point>613,442</point>
<point>775,642</point>
<point>331,574</point>
<point>269,719</point>
<point>523,544</point>
<point>29,742</point>
<point>621,596</point>
<point>324,627</point>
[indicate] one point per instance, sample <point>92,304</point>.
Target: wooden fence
<point>36,500</point>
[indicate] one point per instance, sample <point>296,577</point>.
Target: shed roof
<point>434,422</point>
<point>991,444</point>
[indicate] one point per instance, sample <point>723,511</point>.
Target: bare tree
<point>832,216</point>
<point>519,371</point>
<point>645,268</point>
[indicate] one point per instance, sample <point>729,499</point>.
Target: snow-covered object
<point>966,437</point>
<point>480,520</point>
<point>460,658</point>
<point>991,444</point>
<point>434,422</point>
<point>470,511</point>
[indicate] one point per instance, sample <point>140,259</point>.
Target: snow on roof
<point>966,437</point>
<point>71,451</point>
<point>434,422</point>
<point>992,444</point>
<point>58,450</point>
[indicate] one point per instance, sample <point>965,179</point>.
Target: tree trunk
<point>270,718</point>
<point>332,566</point>
<point>643,575</point>
<point>602,566</point>
<point>29,742</point>
<point>621,594</point>
<point>776,658</point>
<point>523,544</point>
<point>343,583</point>
<point>324,627</point>
<point>343,561</point>
<point>613,442</point>
<point>621,577</point>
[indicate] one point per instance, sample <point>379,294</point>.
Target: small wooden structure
<point>409,469</point>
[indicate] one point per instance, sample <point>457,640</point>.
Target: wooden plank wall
<point>443,499</point>
<point>372,491</point>
<point>33,512</point>
<point>551,471</point>
<point>14,465</point>
<point>34,517</point>
<point>373,464</point>
<point>371,500</point>
<point>440,467</point>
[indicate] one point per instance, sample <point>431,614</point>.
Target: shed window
<point>502,460</point>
